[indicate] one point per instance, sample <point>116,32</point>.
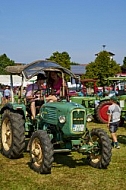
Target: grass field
<point>69,172</point>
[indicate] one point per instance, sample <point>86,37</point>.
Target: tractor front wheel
<point>100,155</point>
<point>12,134</point>
<point>41,152</point>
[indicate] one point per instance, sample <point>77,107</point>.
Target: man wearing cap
<point>34,94</point>
<point>114,112</point>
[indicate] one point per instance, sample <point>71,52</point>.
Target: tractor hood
<point>69,117</point>
<point>64,106</point>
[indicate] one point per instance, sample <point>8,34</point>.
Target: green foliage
<point>123,67</point>
<point>62,59</point>
<point>73,63</point>
<point>4,62</point>
<point>103,67</point>
<point>124,62</point>
<point>91,71</point>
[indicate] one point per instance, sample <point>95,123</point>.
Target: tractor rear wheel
<point>101,111</point>
<point>100,156</point>
<point>41,152</point>
<point>12,134</point>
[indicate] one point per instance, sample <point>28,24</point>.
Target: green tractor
<point>60,126</point>
<point>101,110</point>
<point>94,104</point>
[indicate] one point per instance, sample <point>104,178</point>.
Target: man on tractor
<point>34,94</point>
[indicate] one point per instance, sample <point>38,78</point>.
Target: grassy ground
<point>69,172</point>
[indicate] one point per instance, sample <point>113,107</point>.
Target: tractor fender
<point>19,108</point>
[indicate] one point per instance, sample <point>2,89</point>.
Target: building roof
<point>110,53</point>
<point>78,69</point>
<point>20,64</point>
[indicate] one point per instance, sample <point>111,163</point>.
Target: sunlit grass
<point>69,172</point>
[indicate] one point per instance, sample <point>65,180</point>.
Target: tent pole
<point>11,88</point>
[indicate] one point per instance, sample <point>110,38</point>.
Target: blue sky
<point>34,29</point>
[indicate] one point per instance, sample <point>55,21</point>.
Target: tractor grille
<point>78,117</point>
<point>78,121</point>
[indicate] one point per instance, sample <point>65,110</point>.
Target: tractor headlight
<point>62,119</point>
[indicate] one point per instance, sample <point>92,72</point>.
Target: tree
<point>4,62</point>
<point>62,59</point>
<point>123,67</point>
<point>102,68</point>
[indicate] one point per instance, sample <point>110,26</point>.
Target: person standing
<point>7,94</point>
<point>114,113</point>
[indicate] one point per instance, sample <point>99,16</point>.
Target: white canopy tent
<point>17,80</point>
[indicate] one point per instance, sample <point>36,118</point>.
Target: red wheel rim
<point>103,112</point>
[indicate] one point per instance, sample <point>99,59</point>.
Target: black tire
<point>122,120</point>
<point>101,154</point>
<point>41,152</point>
<point>12,134</point>
<point>101,111</point>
